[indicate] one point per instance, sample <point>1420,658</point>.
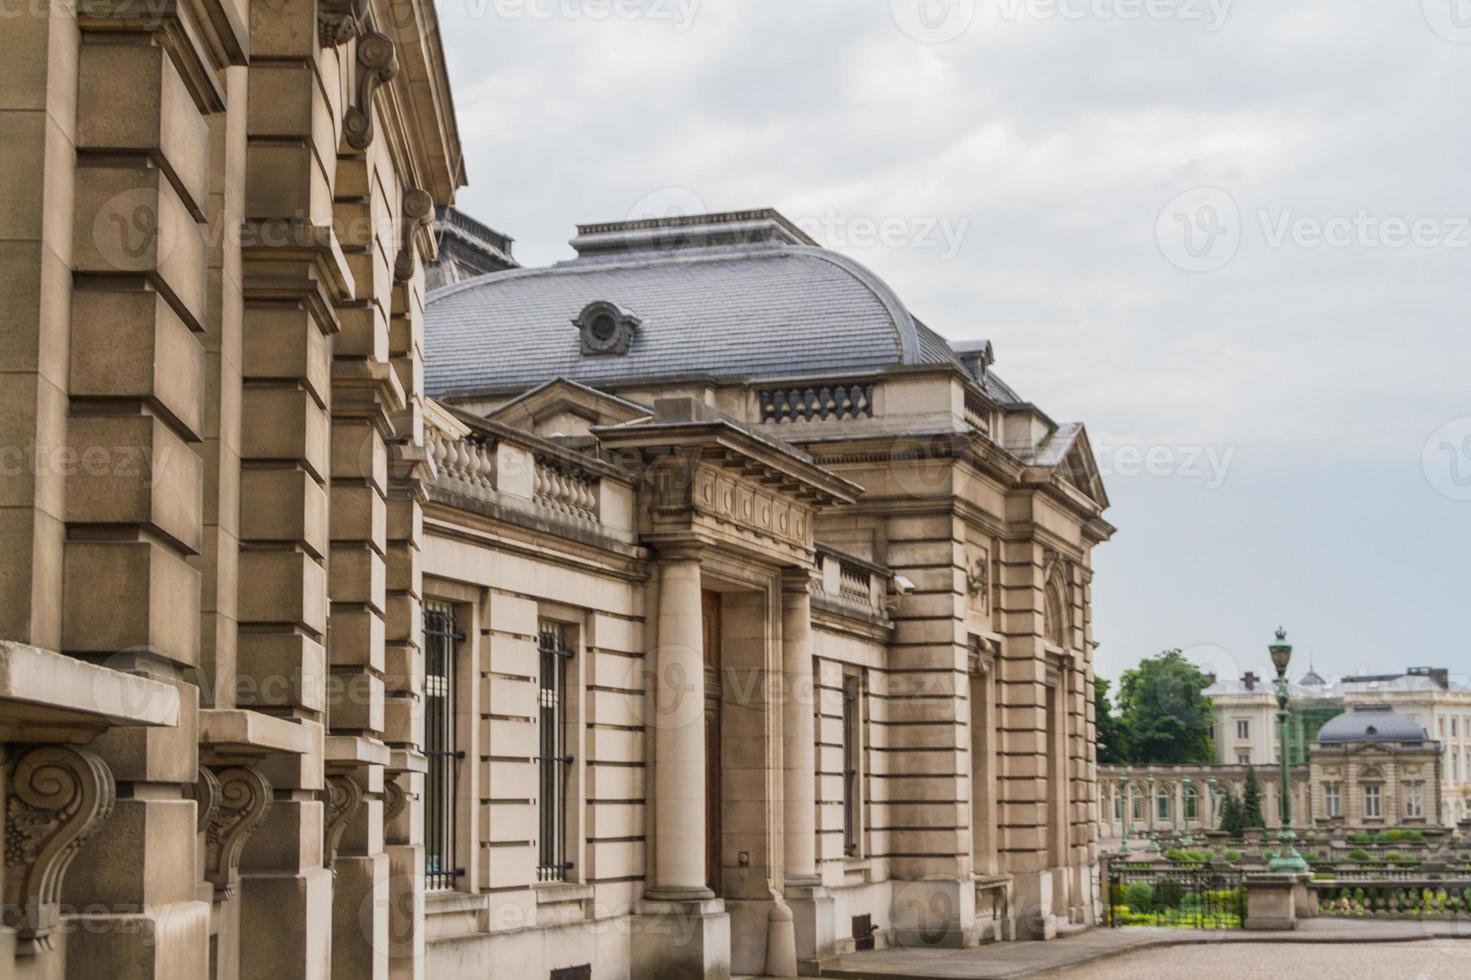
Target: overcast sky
<point>1230,237</point>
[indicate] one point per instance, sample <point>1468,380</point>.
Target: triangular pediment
<point>566,408</point>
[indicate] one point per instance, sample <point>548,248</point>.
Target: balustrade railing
<point>466,466</point>
<point>1417,898</point>
<point>817,403</point>
<point>560,489</point>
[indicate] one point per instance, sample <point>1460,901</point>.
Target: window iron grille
<point>554,762</point>
<point>441,635</point>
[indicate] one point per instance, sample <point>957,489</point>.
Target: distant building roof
<point>1371,723</point>
<point>739,294</point>
<point>467,249</point>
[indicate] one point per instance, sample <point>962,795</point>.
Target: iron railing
<point>553,761</point>
<point>1204,897</point>
<point>441,635</point>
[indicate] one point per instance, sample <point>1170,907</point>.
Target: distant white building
<point>1245,720</point>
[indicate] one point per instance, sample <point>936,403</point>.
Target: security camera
<point>902,585</point>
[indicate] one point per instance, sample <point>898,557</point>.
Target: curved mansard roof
<point>1371,723</point>
<point>745,294</point>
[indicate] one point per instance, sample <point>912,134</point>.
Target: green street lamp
<point>1287,860</point>
<point>1153,846</point>
<point>1185,839</point>
<point>1126,816</point>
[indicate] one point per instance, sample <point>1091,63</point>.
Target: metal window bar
<point>441,871</point>
<point>850,765</point>
<point>553,760</point>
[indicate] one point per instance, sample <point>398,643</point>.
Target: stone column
<point>682,930</point>
<point>811,905</point>
<point>679,732</point>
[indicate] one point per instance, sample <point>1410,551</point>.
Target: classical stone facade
<point>717,617</point>
<point>1245,721</point>
<point>824,585</point>
<point>214,232</point>
<point>1368,768</point>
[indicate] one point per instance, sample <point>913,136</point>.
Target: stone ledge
<point>48,697</point>
<point>355,750</point>
<point>239,734</point>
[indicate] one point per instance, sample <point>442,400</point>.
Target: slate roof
<point>1371,723</point>
<point>766,304</point>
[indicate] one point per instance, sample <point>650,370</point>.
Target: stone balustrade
<point>564,491</point>
<point>850,584</point>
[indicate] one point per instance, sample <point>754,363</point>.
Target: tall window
<point>441,635</point>
<point>1243,729</point>
<point>553,762</point>
<point>1372,806</point>
<point>1333,800</point>
<point>1414,801</point>
<point>852,757</point>
<point>1242,759</point>
<point>1136,807</point>
<point>1191,807</point>
<point>1162,804</point>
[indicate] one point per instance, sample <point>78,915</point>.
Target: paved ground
<point>1275,961</point>
<point>1342,950</point>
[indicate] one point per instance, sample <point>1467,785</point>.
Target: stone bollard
<point>1272,901</point>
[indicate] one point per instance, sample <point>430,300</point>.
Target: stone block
<point>357,575</point>
<point>359,513</point>
<point>284,424</point>
<point>159,943</point>
<point>131,98</point>
<point>281,670</point>
<point>284,344</point>
<point>135,470</point>
<point>284,505</point>
<point>286,922</point>
<point>283,587</point>
<point>355,702</point>
<point>364,332</point>
<point>142,856</point>
<point>130,594</point>
<point>129,219</point>
<point>356,638</point>
<point>131,344</point>
<point>358,453</point>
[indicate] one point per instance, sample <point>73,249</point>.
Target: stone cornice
<point>50,697</point>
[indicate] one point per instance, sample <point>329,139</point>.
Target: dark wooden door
<point>710,608</point>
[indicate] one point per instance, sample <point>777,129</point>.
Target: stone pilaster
<point>811,904</point>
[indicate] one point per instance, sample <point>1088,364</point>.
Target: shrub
<point>1395,856</point>
<point>1358,854</point>
<point>1139,896</point>
<point>1233,856</point>
<point>1167,894</point>
<point>1188,857</point>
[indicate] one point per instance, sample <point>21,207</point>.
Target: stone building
<point>1245,721</point>
<point>466,249</point>
<point>1368,768</point>
<point>214,230</point>
<point>719,615</point>
<point>766,617</point>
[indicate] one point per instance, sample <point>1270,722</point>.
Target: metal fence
<point>1198,897</point>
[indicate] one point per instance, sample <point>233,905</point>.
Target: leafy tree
<point>1113,742</point>
<point>1231,816</point>
<point>1164,711</point>
<point>1251,803</point>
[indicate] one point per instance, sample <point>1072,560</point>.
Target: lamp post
<point>1287,859</point>
<point>1126,815</point>
<point>1185,839</point>
<point>1153,846</point>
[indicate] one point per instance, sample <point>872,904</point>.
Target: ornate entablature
<point>708,479</point>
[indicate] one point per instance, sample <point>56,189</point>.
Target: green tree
<point>1164,711</point>
<point>1231,814</point>
<point>1113,741</point>
<point>1251,803</point>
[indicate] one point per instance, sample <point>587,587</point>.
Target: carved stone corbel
<point>344,796</point>
<point>377,64</point>
<point>58,796</point>
<point>206,794</point>
<point>394,799</point>
<point>245,798</point>
<point>418,209</point>
<point>338,21</point>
